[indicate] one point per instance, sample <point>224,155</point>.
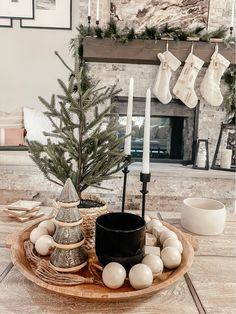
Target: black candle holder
<point>145,178</point>
<point>89,24</point>
<point>231,30</point>
<point>125,171</point>
<point>97,23</point>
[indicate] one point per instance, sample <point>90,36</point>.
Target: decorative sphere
<point>152,224</point>
<point>147,219</point>
<point>37,233</point>
<point>154,262</point>
<point>171,257</point>
<point>140,276</point>
<point>156,222</point>
<point>167,234</point>
<point>44,244</point>
<point>113,275</point>
<point>49,225</point>
<point>157,230</point>
<point>172,242</point>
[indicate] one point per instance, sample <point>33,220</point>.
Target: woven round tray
<point>97,292</point>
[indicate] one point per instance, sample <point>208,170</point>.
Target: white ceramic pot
<point>203,216</point>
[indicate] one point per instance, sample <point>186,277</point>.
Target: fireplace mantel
<point>145,51</point>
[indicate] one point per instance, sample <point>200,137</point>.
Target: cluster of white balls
<point>41,237</point>
<point>141,275</point>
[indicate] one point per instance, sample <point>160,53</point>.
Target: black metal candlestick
<point>125,171</point>
<point>89,24</point>
<point>231,30</point>
<point>97,23</point>
<point>145,178</point>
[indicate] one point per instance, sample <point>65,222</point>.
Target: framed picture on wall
<point>50,14</point>
<point>16,9</point>
<point>5,22</point>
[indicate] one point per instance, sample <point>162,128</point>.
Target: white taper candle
<point>127,146</point>
<point>226,156</point>
<point>89,8</point>
<point>232,14</point>
<point>97,15</point>
<point>146,136</point>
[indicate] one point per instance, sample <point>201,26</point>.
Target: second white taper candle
<point>127,146</point>
<point>146,136</point>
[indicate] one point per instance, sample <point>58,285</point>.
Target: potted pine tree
<point>87,149</point>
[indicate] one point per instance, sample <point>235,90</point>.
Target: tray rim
<point>103,296</point>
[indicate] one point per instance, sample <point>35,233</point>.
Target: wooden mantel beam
<point>145,51</point>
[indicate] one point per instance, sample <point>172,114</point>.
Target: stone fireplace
<point>173,129</point>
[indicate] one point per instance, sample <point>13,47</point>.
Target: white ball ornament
<point>171,257</point>
<point>49,225</point>
<point>113,275</point>
<point>154,262</point>
<point>173,243</point>
<point>37,233</point>
<point>167,234</point>
<point>44,244</point>
<point>147,219</point>
<point>140,276</point>
<point>157,230</point>
<point>156,223</point>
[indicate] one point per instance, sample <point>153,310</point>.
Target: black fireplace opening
<point>172,129</point>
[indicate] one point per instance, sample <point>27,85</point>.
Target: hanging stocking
<point>184,87</point>
<point>161,87</point>
<point>210,86</point>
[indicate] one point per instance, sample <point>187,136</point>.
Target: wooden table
<point>213,275</point>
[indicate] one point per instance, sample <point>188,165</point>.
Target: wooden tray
<point>96,292</point>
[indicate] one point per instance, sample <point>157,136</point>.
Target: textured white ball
<point>140,276</point>
<point>156,223</point>
<point>44,244</point>
<point>49,225</point>
<point>172,242</point>
<point>147,219</point>
<point>167,234</point>
<point>171,257</point>
<point>154,262</point>
<point>157,230</point>
<point>37,233</point>
<point>113,275</point>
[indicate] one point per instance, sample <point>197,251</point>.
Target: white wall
<point>28,66</point>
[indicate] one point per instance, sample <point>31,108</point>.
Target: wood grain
<point>145,51</point>
<point>10,225</point>
<point>91,291</point>
<point>5,259</point>
<point>214,279</point>
<point>18,295</point>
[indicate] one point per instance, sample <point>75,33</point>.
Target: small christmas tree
<point>68,255</point>
<point>88,149</point>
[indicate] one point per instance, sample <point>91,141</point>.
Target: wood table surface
<point>213,277</point>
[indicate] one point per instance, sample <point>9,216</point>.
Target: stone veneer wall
<point>170,184</point>
<point>210,117</point>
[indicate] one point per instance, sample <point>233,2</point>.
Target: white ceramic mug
<point>203,216</point>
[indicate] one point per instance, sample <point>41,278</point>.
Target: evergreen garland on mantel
<point>154,33</point>
<point>230,96</point>
<point>88,149</point>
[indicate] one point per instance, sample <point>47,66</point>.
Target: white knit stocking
<point>184,87</point>
<point>161,87</point>
<point>210,86</point>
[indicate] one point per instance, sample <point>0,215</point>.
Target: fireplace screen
<point>160,136</point>
<point>173,129</point>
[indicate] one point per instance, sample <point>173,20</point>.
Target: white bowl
<point>203,216</point>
